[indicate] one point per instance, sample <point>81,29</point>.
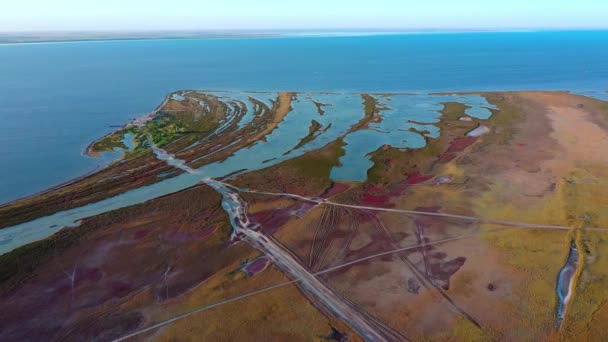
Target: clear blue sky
<point>24,15</point>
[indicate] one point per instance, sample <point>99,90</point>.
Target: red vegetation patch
<point>378,196</point>
<point>412,179</point>
<point>457,145</point>
<point>370,198</point>
<point>415,178</point>
<point>141,234</point>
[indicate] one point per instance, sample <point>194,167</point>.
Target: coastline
<point>142,84</point>
<point>141,120</point>
<point>456,183</point>
<point>137,121</point>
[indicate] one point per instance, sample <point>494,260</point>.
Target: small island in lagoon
<point>323,216</point>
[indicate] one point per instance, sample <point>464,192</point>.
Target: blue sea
<point>55,98</point>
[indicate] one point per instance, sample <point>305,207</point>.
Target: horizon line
<point>317,29</point>
<point>66,37</point>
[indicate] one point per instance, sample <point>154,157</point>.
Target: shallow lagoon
<point>394,129</point>
<point>345,111</point>
<point>58,97</point>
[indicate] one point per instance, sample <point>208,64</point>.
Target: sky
<point>146,15</point>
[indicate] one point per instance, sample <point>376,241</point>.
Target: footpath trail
<point>248,231</point>
<point>286,283</point>
<point>321,201</point>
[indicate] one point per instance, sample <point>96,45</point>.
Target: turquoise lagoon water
<point>403,113</point>
<point>344,111</point>
<point>57,97</point>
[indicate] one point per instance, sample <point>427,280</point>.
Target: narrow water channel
<point>344,111</point>
<point>565,283</point>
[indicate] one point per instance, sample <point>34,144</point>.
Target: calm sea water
<point>55,98</point>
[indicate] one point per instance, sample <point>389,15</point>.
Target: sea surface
<point>55,98</point>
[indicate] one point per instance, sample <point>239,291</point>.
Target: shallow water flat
<point>57,97</point>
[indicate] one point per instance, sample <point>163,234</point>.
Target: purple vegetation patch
<point>272,220</point>
<point>256,266</point>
